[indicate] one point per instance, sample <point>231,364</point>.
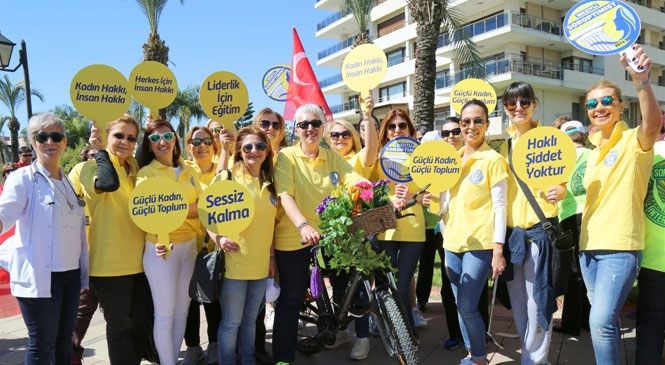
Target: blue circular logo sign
<point>276,82</point>
<point>395,158</point>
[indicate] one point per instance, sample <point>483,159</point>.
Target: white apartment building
<point>518,40</point>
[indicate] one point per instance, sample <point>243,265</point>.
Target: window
<point>391,92</point>
<point>578,64</point>
<point>443,79</point>
<point>395,57</point>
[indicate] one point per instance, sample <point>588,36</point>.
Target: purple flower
<point>324,204</point>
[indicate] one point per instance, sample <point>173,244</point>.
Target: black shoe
<point>560,329</point>
<point>264,357</point>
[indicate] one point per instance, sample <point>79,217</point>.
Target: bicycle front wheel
<point>396,327</point>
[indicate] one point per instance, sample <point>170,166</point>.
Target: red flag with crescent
<point>303,86</point>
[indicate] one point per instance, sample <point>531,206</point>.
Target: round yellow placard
<point>224,98</point>
<point>436,163</point>
<point>153,85</point>
<point>226,207</point>
<point>470,89</point>
<point>158,206</point>
<point>544,157</point>
<point>99,93</point>
<point>364,67</point>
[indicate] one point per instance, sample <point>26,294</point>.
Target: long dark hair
<point>146,153</point>
<point>266,171</point>
<point>519,89</point>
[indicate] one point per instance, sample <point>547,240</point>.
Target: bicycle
<point>325,319</point>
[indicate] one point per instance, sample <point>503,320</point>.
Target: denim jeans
<point>240,302</point>
<point>404,257</point>
<point>650,317</point>
<point>608,276</point>
<point>468,273</point>
<point>50,321</point>
<point>293,273</point>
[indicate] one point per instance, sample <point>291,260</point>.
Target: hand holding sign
<point>158,206</point>
<point>544,157</point>
<point>227,208</point>
<point>436,163</point>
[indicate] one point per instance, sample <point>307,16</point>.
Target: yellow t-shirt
<point>520,212</point>
<point>308,182</point>
<point>409,229</point>
<point>189,180</point>
<point>357,161</point>
<point>253,260</point>
<point>616,180</point>
<point>75,177</point>
<point>653,256</point>
<point>204,179</point>
<point>115,243</point>
<point>469,224</point>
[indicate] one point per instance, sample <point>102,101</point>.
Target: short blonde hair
<point>355,138</point>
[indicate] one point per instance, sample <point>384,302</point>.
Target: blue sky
<point>244,37</point>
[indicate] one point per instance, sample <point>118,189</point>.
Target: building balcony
<point>337,25</point>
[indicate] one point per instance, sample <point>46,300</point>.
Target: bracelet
<point>302,225</point>
<point>643,84</point>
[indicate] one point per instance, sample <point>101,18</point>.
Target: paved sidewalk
<point>563,349</point>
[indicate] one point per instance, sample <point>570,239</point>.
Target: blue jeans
<point>468,273</point>
<point>240,302</point>
<point>608,276</point>
<point>50,321</point>
<point>404,257</point>
<point>650,317</point>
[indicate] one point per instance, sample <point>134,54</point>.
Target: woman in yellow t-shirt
<point>272,123</point>
<point>169,279</point>
<point>249,261</point>
<point>474,247</point>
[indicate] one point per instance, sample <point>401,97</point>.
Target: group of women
<point>49,262</point>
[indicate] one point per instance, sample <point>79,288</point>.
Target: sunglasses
<point>335,135</point>
<point>454,132</point>
<point>376,126</point>
<point>122,137</point>
<point>216,130</point>
<point>402,126</point>
<point>156,137</point>
<point>511,105</point>
<point>27,155</point>
<point>305,124</point>
<point>43,137</point>
<point>466,122</point>
<point>265,124</point>
<point>198,141</point>
<point>91,155</point>
<point>260,146</point>
<point>605,101</point>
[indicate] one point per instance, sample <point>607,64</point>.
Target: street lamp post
<point>6,48</point>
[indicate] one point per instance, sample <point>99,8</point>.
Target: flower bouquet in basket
<point>348,217</point>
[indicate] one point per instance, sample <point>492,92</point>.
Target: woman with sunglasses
<point>249,261</point>
<point>118,282</point>
<point>529,283</point>
<point>202,148</point>
<point>272,123</point>
<point>474,247</point>
<point>169,279</point>
<point>304,174</point>
<point>47,259</point>
<point>404,244</point>
<point>223,139</point>
<point>616,179</point>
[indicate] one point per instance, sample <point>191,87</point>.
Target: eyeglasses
<point>511,105</point>
<point>260,146</point>
<point>335,135</point>
<point>216,130</point>
<point>198,141</point>
<point>454,132</point>
<point>402,126</point>
<point>122,137</point>
<point>305,124</point>
<point>43,137</point>
<point>156,137</point>
<point>265,124</point>
<point>466,122</point>
<point>362,127</point>
<point>605,101</point>
<point>26,155</point>
<point>91,155</point>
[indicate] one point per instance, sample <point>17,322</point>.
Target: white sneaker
<point>467,361</point>
<point>341,338</point>
<point>269,319</point>
<point>418,319</point>
<point>193,355</point>
<point>360,349</point>
<point>211,352</point>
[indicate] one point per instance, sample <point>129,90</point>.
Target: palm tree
<point>433,18</point>
<point>4,153</point>
<point>12,96</point>
<point>361,10</point>
<point>185,106</point>
<point>154,49</point>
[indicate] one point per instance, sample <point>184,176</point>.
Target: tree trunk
<point>425,74</point>
<point>14,127</point>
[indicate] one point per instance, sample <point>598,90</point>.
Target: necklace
<point>64,193</point>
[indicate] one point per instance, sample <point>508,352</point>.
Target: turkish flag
<point>303,86</point>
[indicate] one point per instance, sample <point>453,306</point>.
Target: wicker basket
<point>374,221</point>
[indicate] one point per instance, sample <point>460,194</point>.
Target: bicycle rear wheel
<point>396,327</point>
<point>314,330</point>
